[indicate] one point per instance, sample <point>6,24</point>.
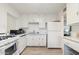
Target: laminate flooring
<point>41,51</point>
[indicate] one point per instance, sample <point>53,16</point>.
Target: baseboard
<point>37,46</point>
<point>23,50</point>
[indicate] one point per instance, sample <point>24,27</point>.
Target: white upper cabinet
<point>4,9</point>
<point>72,13</point>
<point>41,24</point>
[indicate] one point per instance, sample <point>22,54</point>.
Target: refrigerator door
<point>55,26</point>
<point>54,40</point>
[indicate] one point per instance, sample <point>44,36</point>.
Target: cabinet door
<point>24,41</point>
<point>36,41</point>
<point>33,42</point>
<point>43,40</point>
<point>72,13</point>
<point>42,25</point>
<point>19,45</point>
<point>29,39</point>
<point>53,41</point>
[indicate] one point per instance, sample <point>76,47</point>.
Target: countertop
<point>9,40</point>
<point>72,38</point>
<point>37,33</point>
<point>72,42</point>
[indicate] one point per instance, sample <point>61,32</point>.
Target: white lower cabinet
<point>42,40</point>
<point>21,44</point>
<point>36,40</point>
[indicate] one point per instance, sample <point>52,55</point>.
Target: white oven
<point>8,49</point>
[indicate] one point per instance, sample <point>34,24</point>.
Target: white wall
<point>11,23</point>
<point>12,11</point>
<point>24,19</point>
<point>4,9</point>
<point>3,19</point>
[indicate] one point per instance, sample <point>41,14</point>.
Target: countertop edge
<point>72,38</point>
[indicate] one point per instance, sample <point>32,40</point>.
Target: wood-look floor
<point>41,51</point>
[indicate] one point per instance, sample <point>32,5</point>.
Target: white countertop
<point>72,42</point>
<point>6,41</point>
<point>72,38</point>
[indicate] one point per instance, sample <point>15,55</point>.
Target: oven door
<point>11,50</point>
<point>8,49</point>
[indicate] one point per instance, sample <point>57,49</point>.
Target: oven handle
<point>22,35</point>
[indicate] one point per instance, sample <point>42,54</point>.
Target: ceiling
<point>38,7</point>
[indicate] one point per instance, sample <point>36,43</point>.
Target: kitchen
<point>37,28</point>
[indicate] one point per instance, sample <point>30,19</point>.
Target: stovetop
<point>5,37</point>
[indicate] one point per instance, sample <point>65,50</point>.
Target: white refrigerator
<point>54,35</point>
